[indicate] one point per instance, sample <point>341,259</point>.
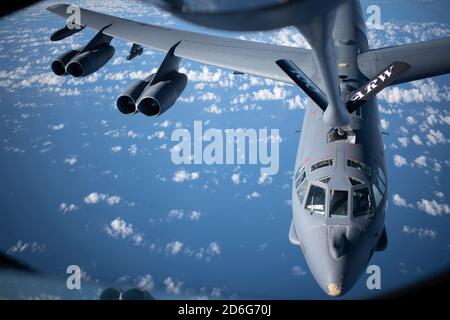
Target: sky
<point>83,184</point>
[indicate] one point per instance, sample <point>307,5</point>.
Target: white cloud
<point>172,286</point>
<point>145,282</point>
<point>420,232</point>
<point>384,124</point>
<point>70,160</point>
<point>57,127</point>
<point>95,197</point>
<point>176,214</point>
<point>422,91</point>
<point>183,175</point>
<point>131,134</point>
<point>213,109</point>
<point>265,179</point>
<point>399,201</point>
<point>66,207</point>
<point>432,207</point>
<point>174,247</point>
<point>421,161</point>
<point>403,141</point>
<point>298,271</point>
<point>435,137</point>
<point>277,93</point>
<point>439,194</point>
<point>235,178</point>
<point>119,228</point>
<point>195,215</point>
<point>416,139</point>
<point>253,195</point>
<point>165,124</point>
<point>399,161</point>
<point>133,149</point>
<point>214,249</point>
<point>296,103</point>
<point>116,149</point>
<point>410,120</point>
<point>21,246</point>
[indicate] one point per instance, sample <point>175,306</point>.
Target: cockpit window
<point>379,187</point>
<point>362,203</point>
<point>315,201</point>
<point>338,203</point>
<point>299,172</point>
<point>300,180</point>
<point>301,191</point>
<point>300,176</point>
<point>325,180</point>
<point>360,166</point>
<point>321,164</point>
<point>354,181</point>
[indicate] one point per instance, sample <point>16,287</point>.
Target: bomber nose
<point>333,266</point>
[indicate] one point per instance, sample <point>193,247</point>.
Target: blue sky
<point>82,184</point>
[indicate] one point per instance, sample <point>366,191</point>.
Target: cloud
<point>410,120</point>
<point>57,127</point>
<point>116,149</point>
<point>416,139</point>
<point>133,149</point>
<point>174,247</point>
<point>235,178</point>
<point>422,91</point>
<point>21,246</point>
<point>384,124</point>
<point>399,161</point>
<point>214,249</point>
<point>70,160</point>
<point>66,208</point>
<point>183,175</point>
<point>435,137</point>
<point>420,232</point>
<point>265,179</point>
<point>119,228</point>
<point>296,103</point>
<point>95,197</point>
<point>421,161</point>
<point>399,201</point>
<point>176,214</point>
<point>277,93</point>
<point>173,287</point>
<point>195,215</point>
<point>432,207</point>
<point>253,195</point>
<point>213,109</point>
<point>145,282</point>
<point>298,271</point>
<point>403,141</point>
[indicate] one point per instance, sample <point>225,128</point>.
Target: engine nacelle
<point>126,102</point>
<point>159,97</point>
<point>90,61</point>
<point>65,32</point>
<point>60,63</point>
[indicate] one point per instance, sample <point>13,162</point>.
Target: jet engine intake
<point>159,97</point>
<point>60,63</point>
<point>126,102</point>
<point>88,62</point>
